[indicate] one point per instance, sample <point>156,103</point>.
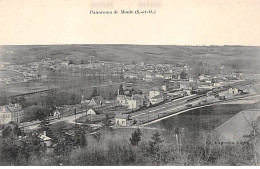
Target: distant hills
<point>130,53</point>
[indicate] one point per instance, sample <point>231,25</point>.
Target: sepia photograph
<point>130,83</point>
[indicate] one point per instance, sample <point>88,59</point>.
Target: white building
<point>91,112</point>
<point>45,139</point>
<point>132,103</point>
<point>154,93</point>
<point>122,120</point>
<point>11,112</point>
<point>201,77</point>
<point>218,84</point>
<point>164,88</point>
<point>233,91</point>
<point>156,99</point>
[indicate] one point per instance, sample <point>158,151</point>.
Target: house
<point>187,92</point>
<point>123,120</point>
<point>187,85</point>
<point>57,113</point>
<point>94,111</point>
<point>11,112</point>
<point>134,102</point>
<point>167,76</point>
<point>191,79</point>
<point>121,100</point>
<point>84,103</point>
<point>236,130</point>
<point>165,88</point>
<point>238,90</point>
<point>202,77</point>
<point>45,139</point>
<point>67,110</point>
<point>218,84</point>
<point>158,75</point>
<point>96,101</point>
<point>233,90</point>
<point>156,99</point>
<point>154,93</point>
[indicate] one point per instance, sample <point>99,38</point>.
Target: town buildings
<point>122,120</point>
<point>134,102</point>
<point>11,112</point>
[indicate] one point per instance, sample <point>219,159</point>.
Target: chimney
<point>44,133</point>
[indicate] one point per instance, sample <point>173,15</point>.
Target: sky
<point>176,22</point>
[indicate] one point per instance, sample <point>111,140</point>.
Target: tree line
<point>73,145</point>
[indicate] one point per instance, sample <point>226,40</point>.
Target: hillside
<point>122,53</point>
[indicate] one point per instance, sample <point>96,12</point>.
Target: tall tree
<point>95,92</point>
<point>80,138</point>
<point>35,112</point>
<point>155,144</point>
<point>121,90</point>
<point>183,75</point>
<point>136,137</point>
<point>107,123</point>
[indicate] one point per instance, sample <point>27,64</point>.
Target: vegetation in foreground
<point>73,145</point>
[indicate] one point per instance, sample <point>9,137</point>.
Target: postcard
<point>129,83</point>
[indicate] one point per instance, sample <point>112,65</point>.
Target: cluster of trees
<point>17,150</point>
<point>3,98</point>
<point>109,92</point>
<point>35,112</point>
<point>183,75</point>
<point>203,68</point>
<point>142,148</point>
<point>59,98</point>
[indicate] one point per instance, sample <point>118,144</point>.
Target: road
<point>163,109</point>
<point>69,119</point>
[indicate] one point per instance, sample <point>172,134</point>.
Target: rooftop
<point>238,126</point>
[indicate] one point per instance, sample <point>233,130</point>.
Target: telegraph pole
<point>75,113</point>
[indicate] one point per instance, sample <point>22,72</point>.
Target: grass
<point>203,119</point>
<point>8,73</point>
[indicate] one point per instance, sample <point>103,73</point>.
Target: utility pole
<point>177,140</point>
<point>148,115</point>
<point>74,108</point>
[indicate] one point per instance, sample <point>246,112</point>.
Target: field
<point>7,73</point>
<point>203,119</point>
<point>20,88</point>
